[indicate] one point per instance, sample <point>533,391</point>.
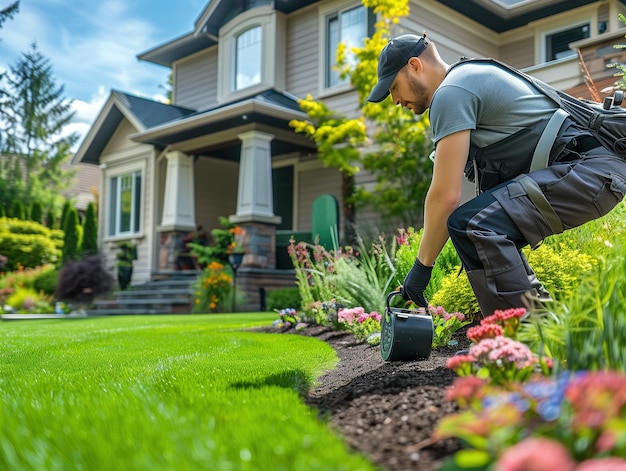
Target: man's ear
<point>416,64</point>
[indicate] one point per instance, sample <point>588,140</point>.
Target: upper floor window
<point>125,204</point>
<point>349,26</point>
<point>557,44</point>
<point>248,58</point>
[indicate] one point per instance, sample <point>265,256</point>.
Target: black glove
<point>415,283</point>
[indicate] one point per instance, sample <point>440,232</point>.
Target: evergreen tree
<point>8,12</point>
<point>50,219</point>
<point>36,212</point>
<point>70,240</point>
<point>64,211</point>
<point>18,210</point>
<point>33,116</point>
<point>2,212</point>
<point>90,231</point>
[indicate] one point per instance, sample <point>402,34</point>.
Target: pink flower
<point>501,316</point>
<point>456,361</point>
<point>503,349</point>
<point>484,331</point>
<point>596,397</point>
<point>536,454</point>
<point>612,463</point>
<point>466,388</point>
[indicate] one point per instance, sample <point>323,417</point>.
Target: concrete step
<point>153,292</point>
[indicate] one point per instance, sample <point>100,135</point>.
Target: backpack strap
<point>546,140</point>
<point>550,133</point>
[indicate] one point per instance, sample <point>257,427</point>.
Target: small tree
<point>35,212</point>
<point>18,210</point>
<point>70,241</point>
<point>400,161</point>
<point>90,231</point>
<point>50,219</point>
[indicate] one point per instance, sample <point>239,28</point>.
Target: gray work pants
<point>489,231</point>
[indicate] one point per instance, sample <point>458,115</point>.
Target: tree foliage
<point>33,141</point>
<point>70,241</point>
<point>386,140</point>
<point>90,231</point>
<point>9,12</point>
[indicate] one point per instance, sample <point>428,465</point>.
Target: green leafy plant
<point>27,300</point>
<point>586,331</point>
<point>445,325</point>
<point>279,298</point>
<point>448,262</point>
<point>126,254</point>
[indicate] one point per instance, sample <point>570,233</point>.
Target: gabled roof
<point>271,108</point>
<point>206,28</point>
<point>141,112</point>
<point>160,125</point>
<point>504,15</point>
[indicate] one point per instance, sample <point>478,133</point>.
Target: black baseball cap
<point>392,58</point>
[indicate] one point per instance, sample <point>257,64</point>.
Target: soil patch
<point>387,410</point>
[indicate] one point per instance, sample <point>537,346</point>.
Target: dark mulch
<point>387,410</point>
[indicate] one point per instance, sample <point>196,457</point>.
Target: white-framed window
<point>348,26</point>
<point>125,204</point>
<point>248,58</point>
<point>557,42</point>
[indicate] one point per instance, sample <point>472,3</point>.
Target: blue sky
<point>92,45</point>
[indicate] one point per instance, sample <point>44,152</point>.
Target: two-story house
<point>224,146</point>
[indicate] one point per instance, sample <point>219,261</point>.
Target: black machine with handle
<point>406,334</point>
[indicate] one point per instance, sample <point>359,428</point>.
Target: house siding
<point>215,190</point>
<point>195,81</point>
<point>314,181</point>
<point>303,53</point>
<point>122,155</point>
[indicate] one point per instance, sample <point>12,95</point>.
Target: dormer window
<point>251,56</point>
<point>248,58</point>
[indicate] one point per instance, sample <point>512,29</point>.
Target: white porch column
<point>179,208</point>
<point>255,191</point>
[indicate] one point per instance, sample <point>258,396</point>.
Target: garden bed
<point>387,410</point>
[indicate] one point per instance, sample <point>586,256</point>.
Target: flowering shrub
<point>360,323</point>
<point>494,355</point>
<point>517,417</point>
<point>568,419</point>
<point>445,325</point>
<point>213,288</point>
<point>324,313</point>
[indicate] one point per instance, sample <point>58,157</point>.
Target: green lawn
<point>185,392</point>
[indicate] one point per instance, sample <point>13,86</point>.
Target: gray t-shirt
<point>488,100</point>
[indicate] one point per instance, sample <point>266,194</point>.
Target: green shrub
<point>455,294</point>
<point>18,210</point>
<point>27,300</point>
<point>447,262</point>
<point>559,268</point>
<point>283,298</point>
<point>71,240</point>
<point>45,281</point>
<point>26,244</point>
<point>587,329</point>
